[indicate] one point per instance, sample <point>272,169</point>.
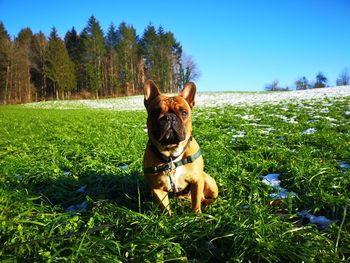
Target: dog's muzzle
<point>171,130</point>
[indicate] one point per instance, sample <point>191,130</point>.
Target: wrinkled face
<point>169,120</point>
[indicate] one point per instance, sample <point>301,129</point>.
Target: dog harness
<point>169,165</point>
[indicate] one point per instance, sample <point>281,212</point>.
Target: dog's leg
<point>162,198</point>
<point>196,195</point>
<point>210,192</point>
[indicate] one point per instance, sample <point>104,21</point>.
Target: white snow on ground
<point>209,99</point>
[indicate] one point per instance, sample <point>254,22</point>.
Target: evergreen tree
<point>59,67</point>
<point>6,63</point>
<point>38,49</point>
<point>321,80</point>
<point>149,49</point>
<point>111,38</point>
<point>162,54</point>
<point>94,50</point>
<point>23,66</point>
<point>75,50</point>
<point>127,48</point>
<point>110,63</point>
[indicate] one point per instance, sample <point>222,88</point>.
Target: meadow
<point>72,188</point>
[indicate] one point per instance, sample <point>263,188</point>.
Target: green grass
<point>47,155</point>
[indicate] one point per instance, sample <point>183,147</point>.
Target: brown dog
<point>173,162</point>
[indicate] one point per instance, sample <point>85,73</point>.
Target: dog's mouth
<point>171,130</point>
<point>170,137</point>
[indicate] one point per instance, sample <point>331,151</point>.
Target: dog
<point>172,161</point>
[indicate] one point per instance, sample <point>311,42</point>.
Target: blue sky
<point>237,45</point>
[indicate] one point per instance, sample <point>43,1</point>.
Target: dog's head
<point>169,118</point>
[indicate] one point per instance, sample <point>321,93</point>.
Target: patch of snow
<point>344,165</point>
<point>321,222</point>
<point>82,189</point>
<point>239,134</point>
<point>274,181</point>
<point>309,131</point>
<point>124,167</point>
<point>78,207</point>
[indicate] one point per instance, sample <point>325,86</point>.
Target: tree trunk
<point>29,97</point>
<point>6,83</point>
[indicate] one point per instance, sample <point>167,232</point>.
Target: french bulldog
<point>172,162</point>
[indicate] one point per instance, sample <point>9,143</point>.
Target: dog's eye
<point>184,113</point>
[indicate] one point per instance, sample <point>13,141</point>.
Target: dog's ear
<point>188,93</point>
<point>150,91</point>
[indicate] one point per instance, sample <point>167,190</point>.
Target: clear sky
<point>237,45</point>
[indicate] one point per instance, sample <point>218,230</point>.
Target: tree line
<point>90,64</point>
<point>302,83</point>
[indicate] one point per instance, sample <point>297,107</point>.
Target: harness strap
<point>172,165</point>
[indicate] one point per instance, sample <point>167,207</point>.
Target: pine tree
<point>321,80</point>
<point>162,54</point>
<point>75,50</point>
<point>38,49</point>
<point>149,49</point>
<point>94,50</point>
<point>6,59</point>
<point>111,39</point>
<point>24,89</point>
<point>127,48</point>
<point>110,63</point>
<point>59,67</point>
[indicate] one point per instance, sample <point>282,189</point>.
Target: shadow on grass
<point>127,189</point>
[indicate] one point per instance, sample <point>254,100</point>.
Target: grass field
<point>72,189</point>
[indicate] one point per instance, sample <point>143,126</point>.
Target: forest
<point>90,64</point>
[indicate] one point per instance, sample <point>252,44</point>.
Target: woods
<point>90,64</point>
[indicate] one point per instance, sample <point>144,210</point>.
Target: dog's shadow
<point>72,194</point>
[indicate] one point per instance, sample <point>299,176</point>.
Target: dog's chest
<point>177,180</point>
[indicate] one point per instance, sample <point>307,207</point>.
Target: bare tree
<point>191,71</point>
<point>343,78</point>
<point>274,86</point>
<point>302,83</point>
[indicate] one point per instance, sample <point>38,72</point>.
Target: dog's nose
<point>170,118</point>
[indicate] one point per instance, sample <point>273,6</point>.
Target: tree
<point>59,67</point>
<point>191,72</point>
<point>23,85</point>
<point>321,80</point>
<point>6,63</point>
<point>343,78</point>
<point>94,50</point>
<point>110,63</point>
<point>274,86</point>
<point>149,45</point>
<point>302,84</point>
<point>162,58</point>
<point>127,48</point>
<point>75,48</point>
<point>111,38</point>
<point>38,49</point>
